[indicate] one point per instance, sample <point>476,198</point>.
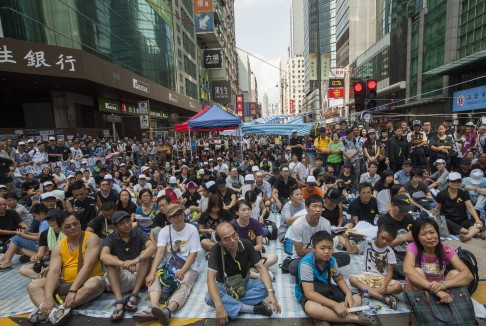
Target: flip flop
<point>132,305</point>
<point>391,301</point>
<point>5,268</point>
<point>119,312</point>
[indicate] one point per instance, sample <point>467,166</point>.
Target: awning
<point>457,63</point>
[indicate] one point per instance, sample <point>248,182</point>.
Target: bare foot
<point>464,238</point>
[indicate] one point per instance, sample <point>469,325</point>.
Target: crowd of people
<point>85,216</point>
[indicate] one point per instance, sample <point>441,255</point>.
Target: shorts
<point>373,280</point>
<point>455,228</point>
<point>25,243</point>
<point>127,280</point>
<point>63,288</point>
<point>332,292</point>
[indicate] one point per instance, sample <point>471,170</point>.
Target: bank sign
<point>469,99</point>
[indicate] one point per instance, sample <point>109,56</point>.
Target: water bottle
<point>432,207</point>
<point>416,214</point>
<point>365,300</point>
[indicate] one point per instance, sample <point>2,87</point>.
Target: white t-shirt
<point>255,209</point>
<point>302,232</point>
<point>60,177</point>
<point>182,243</point>
<point>376,259</point>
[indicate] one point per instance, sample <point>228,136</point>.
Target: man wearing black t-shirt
<point>81,205</point>
<point>296,145</point>
<point>281,188</point>
<point>365,207</point>
<point>10,221</point>
<point>102,225</point>
<point>228,195</point>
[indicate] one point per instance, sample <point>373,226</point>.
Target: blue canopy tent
<point>278,129</point>
<point>214,117</point>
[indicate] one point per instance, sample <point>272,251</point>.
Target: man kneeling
<point>230,290</point>
<point>127,255</point>
<point>81,274</point>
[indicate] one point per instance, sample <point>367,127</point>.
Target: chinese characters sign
<point>336,93</point>
<point>213,58</point>
<point>313,66</point>
<point>253,108</point>
<point>291,107</point>
<point>37,59</point>
<point>202,6</point>
<point>239,106</point>
<point>469,99</point>
<point>325,65</point>
<point>222,91</point>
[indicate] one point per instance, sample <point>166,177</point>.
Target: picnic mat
<point>16,301</point>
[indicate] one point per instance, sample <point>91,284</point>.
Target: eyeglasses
<point>71,226</point>
<point>455,181</point>
<point>234,236</point>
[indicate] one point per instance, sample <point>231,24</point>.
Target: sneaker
<point>163,315</point>
<point>262,309</point>
<point>37,317</point>
<point>59,316</point>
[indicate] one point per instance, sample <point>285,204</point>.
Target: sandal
<point>118,312</point>
<point>144,316</point>
<point>369,320</point>
<point>132,305</point>
<point>391,301</point>
<point>60,316</point>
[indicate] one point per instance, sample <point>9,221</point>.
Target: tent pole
<point>240,131</point>
<point>190,142</point>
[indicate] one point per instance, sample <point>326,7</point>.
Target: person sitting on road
<point>365,207</point>
<point>214,215</point>
<point>379,259</point>
<point>47,240</point>
<point>102,224</point>
<point>426,261</point>
<point>126,269</point>
<point>318,297</point>
<point>80,284</point>
<point>230,291</point>
<point>295,205</point>
<point>177,245</point>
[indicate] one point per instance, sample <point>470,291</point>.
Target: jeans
<point>255,293</point>
<point>25,243</point>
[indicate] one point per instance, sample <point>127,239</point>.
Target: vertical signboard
<point>325,65</point>
<point>313,66</point>
<point>204,16</point>
<point>253,108</point>
<point>239,106</point>
<point>291,107</point>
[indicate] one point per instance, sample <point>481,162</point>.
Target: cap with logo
<point>402,202</point>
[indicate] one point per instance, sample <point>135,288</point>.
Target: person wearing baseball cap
<point>126,269</point>
<point>475,183</point>
<point>310,188</point>
<point>456,210</point>
<point>439,177</point>
<point>178,245</point>
<point>296,145</point>
<point>417,140</point>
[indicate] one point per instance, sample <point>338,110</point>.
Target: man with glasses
<point>80,283</point>
<point>81,205</point>
<point>106,193</point>
<point>127,254</point>
<point>177,246</point>
<point>231,259</point>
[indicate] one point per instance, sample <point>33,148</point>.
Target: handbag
<point>428,310</point>
<point>234,285</point>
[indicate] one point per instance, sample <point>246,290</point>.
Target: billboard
<point>239,106</point>
<point>222,91</point>
<point>213,58</point>
<point>469,99</point>
<point>336,93</point>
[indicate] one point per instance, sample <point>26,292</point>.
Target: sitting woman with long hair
<point>426,260</point>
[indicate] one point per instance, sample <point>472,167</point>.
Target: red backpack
<point>171,193</point>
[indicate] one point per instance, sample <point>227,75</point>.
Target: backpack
<point>171,193</point>
<point>272,227</point>
<point>470,261</point>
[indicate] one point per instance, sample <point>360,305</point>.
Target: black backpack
<point>470,261</point>
<point>272,227</point>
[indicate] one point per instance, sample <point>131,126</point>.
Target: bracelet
<point>72,291</point>
<point>444,284</point>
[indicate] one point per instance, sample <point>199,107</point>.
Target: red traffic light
<point>358,87</point>
<point>371,84</point>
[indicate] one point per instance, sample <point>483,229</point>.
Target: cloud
<point>267,77</point>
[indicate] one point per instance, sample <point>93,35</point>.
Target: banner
<point>253,108</point>
<point>313,66</point>
<point>325,65</point>
<point>239,106</point>
<point>291,107</point>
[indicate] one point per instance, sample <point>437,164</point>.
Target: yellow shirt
<point>322,143</point>
<point>70,261</point>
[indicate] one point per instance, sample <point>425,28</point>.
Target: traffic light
<point>371,86</point>
<point>359,96</point>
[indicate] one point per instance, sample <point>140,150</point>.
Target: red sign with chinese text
<point>291,107</point>
<point>336,93</point>
<point>239,106</point>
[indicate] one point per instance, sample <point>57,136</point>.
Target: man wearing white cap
<point>39,154</point>
<point>20,156</point>
<point>439,178</point>
<point>476,186</point>
<point>310,188</point>
<point>53,152</point>
<point>142,184</point>
<point>220,166</point>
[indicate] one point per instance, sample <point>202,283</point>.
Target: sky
<point>263,29</point>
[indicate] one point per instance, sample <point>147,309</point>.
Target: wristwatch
<point>271,291</point>
<point>139,258</point>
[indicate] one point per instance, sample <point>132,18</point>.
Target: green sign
<point>132,109</point>
<point>107,105</point>
<point>163,10</point>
